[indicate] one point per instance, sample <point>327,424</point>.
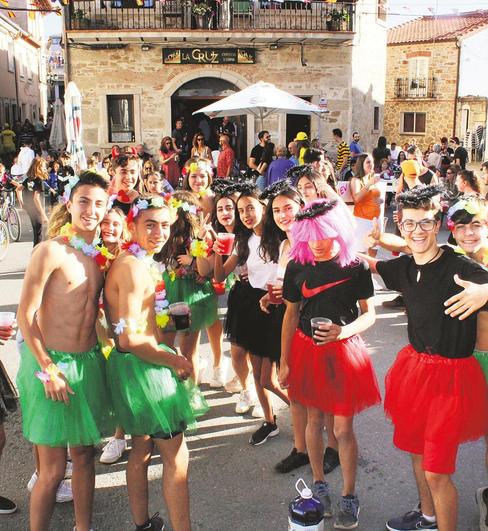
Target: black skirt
<point>8,395</point>
<point>249,327</point>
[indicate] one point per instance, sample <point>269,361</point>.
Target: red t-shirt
<point>225,162</point>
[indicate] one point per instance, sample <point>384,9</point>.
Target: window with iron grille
<point>413,122</point>
<point>381,10</point>
<point>120,109</point>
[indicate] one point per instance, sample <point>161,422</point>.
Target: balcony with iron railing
<point>418,87</point>
<point>210,15</point>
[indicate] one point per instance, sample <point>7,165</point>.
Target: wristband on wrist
<point>49,374</point>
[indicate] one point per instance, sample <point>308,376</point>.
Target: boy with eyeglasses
<point>436,394</point>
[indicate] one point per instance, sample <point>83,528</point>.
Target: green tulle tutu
<point>201,297</point>
<point>150,398</point>
<point>88,416</point>
<point>482,357</point>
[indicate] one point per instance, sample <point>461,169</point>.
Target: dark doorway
<point>296,123</point>
<point>199,93</point>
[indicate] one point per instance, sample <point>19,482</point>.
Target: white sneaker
<point>234,385</point>
<point>113,451</point>
<point>69,470</point>
<point>63,494</point>
<point>217,379</point>
<point>244,402</point>
<point>257,411</point>
<point>32,481</point>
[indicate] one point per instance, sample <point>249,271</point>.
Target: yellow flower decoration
<point>106,351</point>
<point>199,248</point>
<point>162,319</point>
<point>172,276</point>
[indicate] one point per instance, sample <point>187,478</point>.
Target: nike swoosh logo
<point>311,292</point>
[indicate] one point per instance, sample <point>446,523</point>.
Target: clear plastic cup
<point>180,311</point>
<point>316,322</point>
<point>7,318</point>
<point>226,241</point>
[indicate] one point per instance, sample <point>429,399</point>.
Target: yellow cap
<point>301,136</point>
<point>410,167</point>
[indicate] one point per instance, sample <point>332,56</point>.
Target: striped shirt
<point>343,155</point>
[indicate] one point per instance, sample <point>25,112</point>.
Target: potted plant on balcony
<point>337,20</point>
<point>201,10</point>
<point>80,20</point>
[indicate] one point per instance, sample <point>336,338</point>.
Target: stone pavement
<point>233,485</point>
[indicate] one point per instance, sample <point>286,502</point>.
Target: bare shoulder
<point>49,252</point>
<point>127,269</point>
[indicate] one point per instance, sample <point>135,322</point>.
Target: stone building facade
<point>424,57</point>
<point>343,69</point>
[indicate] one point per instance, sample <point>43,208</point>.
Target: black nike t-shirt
<point>430,330</point>
<point>327,290</point>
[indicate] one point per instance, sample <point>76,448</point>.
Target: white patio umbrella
<point>74,129</point>
<point>261,100</point>
<point>57,138</point>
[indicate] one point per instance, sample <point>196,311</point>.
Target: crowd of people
<point>130,258</point>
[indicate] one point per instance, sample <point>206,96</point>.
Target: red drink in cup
<point>219,287</point>
<point>180,311</point>
<point>226,241</point>
<point>273,299</point>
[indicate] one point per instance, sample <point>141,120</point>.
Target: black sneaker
<point>331,460</point>
<point>482,501</point>
<point>7,506</point>
<point>397,303</point>
<point>348,515</point>
<point>321,491</point>
<point>267,429</point>
<point>411,521</point>
<point>290,462</point>
<point>155,523</point>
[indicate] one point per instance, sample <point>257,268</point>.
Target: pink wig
<point>334,223</point>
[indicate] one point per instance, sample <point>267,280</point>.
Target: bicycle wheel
<point>13,223</point>
<point>4,240</point>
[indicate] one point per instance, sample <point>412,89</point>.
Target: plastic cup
<point>7,318</point>
<point>219,287</point>
<point>226,241</point>
<point>180,311</point>
<point>273,299</point>
<point>316,322</point>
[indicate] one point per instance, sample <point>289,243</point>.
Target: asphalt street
<point>233,485</point>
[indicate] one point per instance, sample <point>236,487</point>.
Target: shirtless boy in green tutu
<point>61,379</point>
<point>153,400</point>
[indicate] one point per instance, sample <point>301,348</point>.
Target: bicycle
<point>4,240</point>
<point>10,216</point>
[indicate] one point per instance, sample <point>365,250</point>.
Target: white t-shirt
<point>259,272</point>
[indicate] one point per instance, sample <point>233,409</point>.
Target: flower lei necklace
<point>94,250</point>
<point>155,270</point>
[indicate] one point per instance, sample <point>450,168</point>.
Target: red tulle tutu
<point>337,378</point>
<point>436,403</point>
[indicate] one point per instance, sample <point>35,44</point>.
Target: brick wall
<point>133,71</point>
<point>443,64</point>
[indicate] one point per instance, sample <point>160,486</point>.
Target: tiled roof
<point>440,28</point>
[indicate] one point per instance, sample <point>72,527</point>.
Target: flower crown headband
<point>195,166</point>
<point>143,204</point>
<point>471,205</point>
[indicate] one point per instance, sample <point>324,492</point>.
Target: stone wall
<point>440,111</point>
<point>99,73</point>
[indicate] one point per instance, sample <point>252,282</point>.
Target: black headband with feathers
<point>317,209</point>
<point>419,195</point>
<point>276,188</point>
<point>223,187</point>
<point>296,172</point>
<point>246,188</point>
